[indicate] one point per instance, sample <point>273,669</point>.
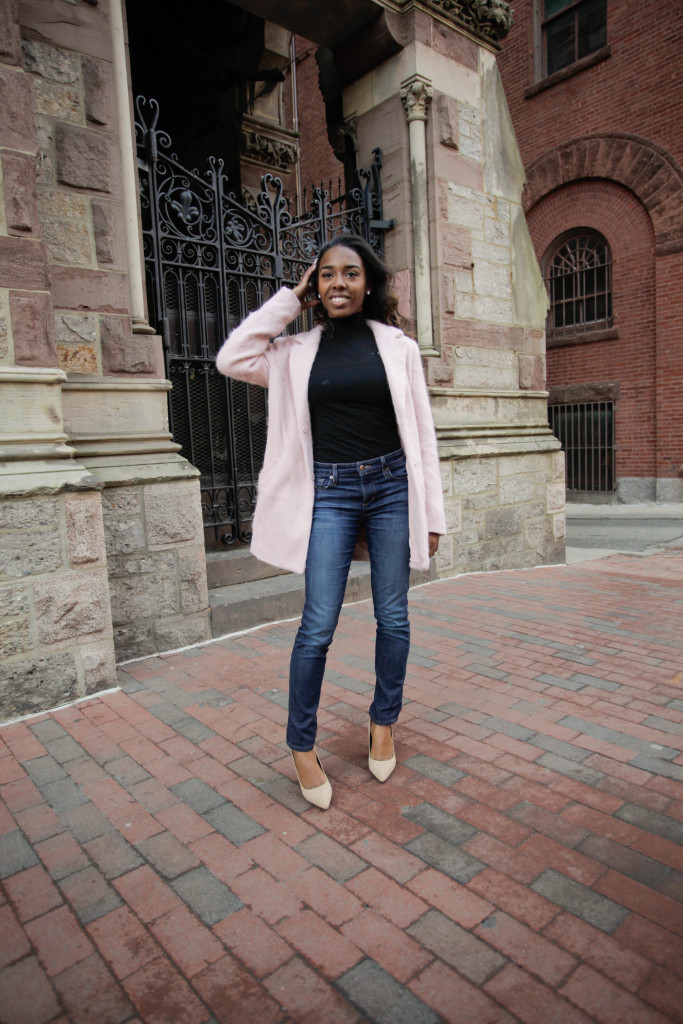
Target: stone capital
<point>416,94</point>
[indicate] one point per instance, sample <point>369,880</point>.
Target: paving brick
<point>43,770</point>
<point>234,996</point>
<point>39,822</point>
<point>209,898</point>
<point>652,821</point>
<point>455,1000</point>
<point>456,946</point>
<point>146,894</point>
<point>197,795</point>
<point>492,853</point>
<point>641,899</point>
<point>327,897</point>
<point>90,993</point>
<point>660,849</point>
<point>628,862</point>
<point>152,795</point>
<point>570,862</point>
<point>26,996</point>
<point>332,857</point>
<point>113,855</point>
<point>307,997</point>
<point>185,824</point>
<point>167,855</point>
<point>86,822</point>
<point>603,952</point>
<point>551,825</point>
<point>328,950</point>
<point>13,941</point>
<point>388,946</point>
<point>390,899</point>
<point>253,942</point>
<point>652,941</point>
<point>20,794</point>
<point>583,902</point>
<point>382,998</point>
<point>665,991</point>
<point>451,860</point>
<point>234,824</point>
<point>160,994</point>
<point>518,900</point>
<point>528,949</point>
<point>58,940</point>
<point>15,853</point>
<point>531,1001</point>
<point>223,859</point>
<point>452,899</point>
<point>605,1002</point>
<point>437,822</point>
<point>499,825</point>
<point>388,857</point>
<point>433,769</point>
<point>191,945</point>
<point>32,893</point>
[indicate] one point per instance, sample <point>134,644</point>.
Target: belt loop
<point>385,468</point>
<point>333,474</point>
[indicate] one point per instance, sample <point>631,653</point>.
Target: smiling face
<point>342,282</point>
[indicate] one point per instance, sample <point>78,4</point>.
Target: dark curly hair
<point>381,304</point>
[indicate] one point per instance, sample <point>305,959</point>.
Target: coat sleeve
<point>436,516</point>
<point>245,353</point>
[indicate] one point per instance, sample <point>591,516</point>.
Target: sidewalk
<point>523,863</point>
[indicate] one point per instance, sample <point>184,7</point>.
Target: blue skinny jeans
<point>372,494</point>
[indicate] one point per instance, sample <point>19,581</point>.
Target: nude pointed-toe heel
<point>319,796</point>
<point>380,769</point>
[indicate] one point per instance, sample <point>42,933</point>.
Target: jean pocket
<point>322,482</point>
<point>398,471</point>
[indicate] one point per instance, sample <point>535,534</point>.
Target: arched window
<point>579,282</point>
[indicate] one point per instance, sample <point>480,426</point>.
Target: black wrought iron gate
<point>211,258</point>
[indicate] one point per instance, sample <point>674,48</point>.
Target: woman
<point>350,450</point>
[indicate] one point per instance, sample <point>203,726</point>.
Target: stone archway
<point>645,168</point>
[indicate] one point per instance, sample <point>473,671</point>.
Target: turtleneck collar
<point>341,326</point>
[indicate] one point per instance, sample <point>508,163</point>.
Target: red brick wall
<point>318,162</point>
<point>637,90</point>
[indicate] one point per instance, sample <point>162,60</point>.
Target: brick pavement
<point>523,863</point>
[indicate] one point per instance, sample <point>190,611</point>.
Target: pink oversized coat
<point>284,508</point>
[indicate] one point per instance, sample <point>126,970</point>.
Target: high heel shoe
<point>319,796</point>
<point>380,769</point>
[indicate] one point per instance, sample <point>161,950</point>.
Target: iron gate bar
<point>210,259</point>
<point>586,433</point>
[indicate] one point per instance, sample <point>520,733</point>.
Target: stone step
<point>256,602</point>
<point>229,568</point>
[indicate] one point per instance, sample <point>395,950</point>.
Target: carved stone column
<point>416,94</point>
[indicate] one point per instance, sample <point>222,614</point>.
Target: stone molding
<point>648,170</point>
<point>488,20</point>
<point>270,146</point>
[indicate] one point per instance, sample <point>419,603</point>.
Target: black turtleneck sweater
<point>352,415</point>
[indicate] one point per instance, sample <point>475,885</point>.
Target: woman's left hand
<point>433,544</point>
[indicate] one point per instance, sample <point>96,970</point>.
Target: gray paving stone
<point>65,749</point>
<point>620,739</point>
<point>366,664</point>
<point>382,998</point>
<point>653,764</point>
<point>279,697</point>
<point>454,710</point>
<point>565,750</point>
<point>418,659</point>
<point>198,795</point>
<point>664,725</point>
<point>86,822</point>
<point>621,858</point>
<point>212,699</point>
<point>49,729</point>
<point>518,732</point>
<point>167,713</point>
<point>651,821</point>
<point>63,794</point>
<point>570,768</point>
<point>89,894</point>
<point>253,770</point>
<point>15,853</point>
<point>168,855</point>
<point>596,681</point>
<point>529,638</point>
<point>287,793</point>
<point>206,895</point>
<point>487,670</point>
<point>456,946</point>
<point>193,730</point>
<point>42,770</point>
<point>350,714</point>
<point>234,824</point>
<point>355,685</point>
<point>577,659</point>
<point>433,769</point>
<point>126,771</point>
<point>440,823</point>
<point>453,861</point>
<point>590,906</point>
<point>675,705</point>
<point>333,858</point>
<point>564,684</point>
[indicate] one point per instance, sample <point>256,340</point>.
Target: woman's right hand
<point>304,290</point>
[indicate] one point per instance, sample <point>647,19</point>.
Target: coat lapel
<point>393,357</point>
<point>300,363</point>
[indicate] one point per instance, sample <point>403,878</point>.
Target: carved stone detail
<point>490,19</point>
<point>416,95</point>
<point>267,150</point>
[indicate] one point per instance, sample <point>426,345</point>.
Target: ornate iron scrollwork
<point>210,259</point>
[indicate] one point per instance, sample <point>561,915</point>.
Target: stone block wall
<point>84,431</point>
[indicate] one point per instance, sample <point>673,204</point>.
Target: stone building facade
<point>101,539</point>
<point>600,131</point>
